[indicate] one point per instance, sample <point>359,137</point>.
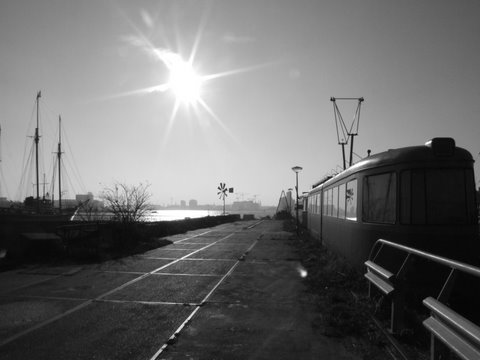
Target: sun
<point>184,82</point>
<point>182,79</point>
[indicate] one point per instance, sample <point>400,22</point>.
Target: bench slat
<point>447,315</point>
<point>459,346</point>
<point>379,270</point>
<point>381,284</point>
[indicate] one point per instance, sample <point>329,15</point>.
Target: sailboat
<point>40,209</point>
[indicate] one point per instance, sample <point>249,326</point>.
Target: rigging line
<point>54,176</point>
<point>32,117</point>
<point>42,167</point>
<point>26,165</point>
<point>69,181</point>
<point>28,174</point>
<point>74,172</point>
<point>74,167</point>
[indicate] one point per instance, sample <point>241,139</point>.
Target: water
<point>169,215</point>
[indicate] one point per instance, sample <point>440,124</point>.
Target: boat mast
<point>37,138</point>
<point>59,155</point>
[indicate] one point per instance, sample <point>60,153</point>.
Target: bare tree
<point>128,203</point>
<point>90,211</point>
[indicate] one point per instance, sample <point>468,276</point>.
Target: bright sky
<point>259,78</point>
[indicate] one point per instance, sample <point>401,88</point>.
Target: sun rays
<point>184,81</point>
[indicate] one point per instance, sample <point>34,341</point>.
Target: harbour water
<point>174,214</point>
<point>152,215</point>
<point>169,215</point>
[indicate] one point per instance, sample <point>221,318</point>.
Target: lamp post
<point>296,169</point>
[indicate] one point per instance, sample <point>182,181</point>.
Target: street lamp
<point>296,169</point>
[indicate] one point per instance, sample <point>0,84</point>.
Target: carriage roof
<point>435,150</point>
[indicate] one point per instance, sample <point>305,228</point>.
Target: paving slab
<point>184,246</point>
<point>253,331</point>
<point>167,288</point>
<point>199,267</point>
<point>257,306</point>
<point>200,240</point>
<point>219,253</point>
<point>131,264</point>
<point>12,280</point>
<point>18,314</point>
<point>279,250</point>
<point>166,253</point>
<point>120,331</point>
<point>280,269</point>
<point>247,289</point>
<point>86,285</point>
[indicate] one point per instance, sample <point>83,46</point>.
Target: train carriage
<point>420,196</point>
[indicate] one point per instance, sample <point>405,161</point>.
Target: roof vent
<point>442,146</point>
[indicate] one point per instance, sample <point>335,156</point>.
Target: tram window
<point>379,198</point>
<point>325,203</point>
<point>418,197</point>
<point>341,201</point>
<point>405,203</point>
<point>335,202</point>
<point>351,200</point>
<point>329,202</point>
<point>437,196</point>
<point>446,207</point>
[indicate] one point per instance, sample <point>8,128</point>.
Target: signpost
<point>223,193</point>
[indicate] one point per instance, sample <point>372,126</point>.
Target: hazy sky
<point>269,68</point>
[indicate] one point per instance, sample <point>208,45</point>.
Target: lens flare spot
<point>302,271</point>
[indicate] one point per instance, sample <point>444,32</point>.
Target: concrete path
<point>230,292</point>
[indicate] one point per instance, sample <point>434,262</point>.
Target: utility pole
<point>345,134</point>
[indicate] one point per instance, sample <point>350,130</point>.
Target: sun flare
<point>184,82</point>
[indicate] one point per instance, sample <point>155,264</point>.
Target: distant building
<point>84,197</point>
<point>193,203</point>
<point>245,205</point>
<point>183,203</point>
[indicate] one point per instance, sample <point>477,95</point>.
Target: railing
<point>450,331</point>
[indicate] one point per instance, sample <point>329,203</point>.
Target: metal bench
<point>450,332</point>
<point>391,286</point>
<point>458,334</point>
<point>380,277</point>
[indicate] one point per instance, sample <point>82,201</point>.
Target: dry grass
<point>344,309</point>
